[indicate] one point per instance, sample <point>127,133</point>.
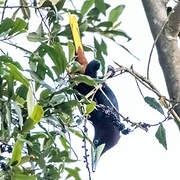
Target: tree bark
<point>167,44</point>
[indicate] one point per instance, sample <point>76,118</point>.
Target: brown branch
<point>148,84</point>
<point>16,7</point>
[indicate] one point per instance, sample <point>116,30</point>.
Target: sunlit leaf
<point>115,13</point>
<point>37,114</point>
<point>17,75</point>
<point>73,173</point>
<point>16,154</point>
<point>30,101</point>
<point>90,107</point>
<point>33,119</point>
<point>86,6</point>
<point>161,136</point>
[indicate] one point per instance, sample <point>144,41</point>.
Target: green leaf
<point>71,50</point>
<point>60,156</point>
<point>18,27</point>
<point>23,177</point>
<point>101,6</point>
<point>76,67</point>
<point>154,104</point>
<point>107,24</point>
<point>60,5</point>
<point>37,114</point>
<point>22,91</point>
<point>34,37</point>
<point>25,11</point>
<point>115,13</point>
<point>16,154</point>
<point>67,107</point>
<point>30,101</point>
<point>104,47</point>
<point>57,99</point>
<point>161,136</point>
<point>17,75</point>
<point>90,107</point>
<point>45,96</point>
<point>6,59</point>
<point>6,25</point>
<point>80,135</point>
<point>118,33</point>
<point>83,26</point>
<point>64,143</point>
<point>57,55</point>
<point>73,173</point>
<point>34,118</point>
<point>84,79</point>
<point>86,6</point>
<point>19,113</point>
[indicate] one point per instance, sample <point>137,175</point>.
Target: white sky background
<point>139,154</point>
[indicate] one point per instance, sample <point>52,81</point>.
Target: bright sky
<point>139,154</point>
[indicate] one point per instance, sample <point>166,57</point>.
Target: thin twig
<point>42,18</point>
<point>138,86</point>
<point>16,7</point>
<point>86,155</point>
<point>155,41</point>
<point>4,10</point>
<point>147,83</point>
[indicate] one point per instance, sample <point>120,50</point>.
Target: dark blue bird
<point>104,117</point>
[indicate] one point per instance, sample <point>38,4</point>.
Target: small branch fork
<point>148,84</point>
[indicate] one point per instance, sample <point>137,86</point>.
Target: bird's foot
<point>112,70</point>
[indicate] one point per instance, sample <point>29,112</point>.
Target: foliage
<point>38,103</point>
<point>23,111</point>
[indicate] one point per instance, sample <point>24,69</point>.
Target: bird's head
<point>92,68</point>
<point>106,136</point>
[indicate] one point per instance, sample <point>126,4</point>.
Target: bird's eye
<point>96,141</point>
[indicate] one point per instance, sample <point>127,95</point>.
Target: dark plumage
<point>104,118</point>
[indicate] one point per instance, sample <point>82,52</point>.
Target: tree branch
<point>167,47</point>
<point>174,21</point>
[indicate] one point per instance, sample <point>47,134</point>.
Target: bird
<point>104,118</point>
